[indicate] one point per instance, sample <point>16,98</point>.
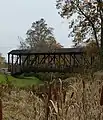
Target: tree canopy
<point>39,37</point>
<point>87,23</point>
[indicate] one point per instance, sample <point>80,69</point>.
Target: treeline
<point>3,63</point>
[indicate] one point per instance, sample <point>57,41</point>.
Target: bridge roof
<point>58,51</point>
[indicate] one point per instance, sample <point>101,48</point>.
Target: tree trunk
<point>101,50</point>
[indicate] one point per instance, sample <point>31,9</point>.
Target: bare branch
<point>94,30</point>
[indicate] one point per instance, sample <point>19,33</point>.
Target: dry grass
<point>76,98</point>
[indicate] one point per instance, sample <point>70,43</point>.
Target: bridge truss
<point>59,60</point>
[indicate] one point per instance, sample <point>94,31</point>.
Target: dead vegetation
<point>76,98</point>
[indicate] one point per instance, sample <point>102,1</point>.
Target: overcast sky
<point>16,17</point>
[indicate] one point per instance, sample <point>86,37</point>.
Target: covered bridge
<point>58,60</point>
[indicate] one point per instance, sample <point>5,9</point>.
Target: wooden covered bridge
<point>59,60</point>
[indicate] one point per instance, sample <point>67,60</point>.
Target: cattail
<point>72,94</point>
<point>0,109</point>
<point>101,99</point>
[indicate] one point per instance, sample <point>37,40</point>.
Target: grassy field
<point>19,82</point>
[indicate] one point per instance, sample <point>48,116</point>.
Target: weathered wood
<point>59,61</point>
<point>12,64</point>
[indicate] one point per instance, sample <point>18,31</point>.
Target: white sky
<point>16,17</point>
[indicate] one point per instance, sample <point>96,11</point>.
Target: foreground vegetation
<point>75,98</point>
<point>20,81</point>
